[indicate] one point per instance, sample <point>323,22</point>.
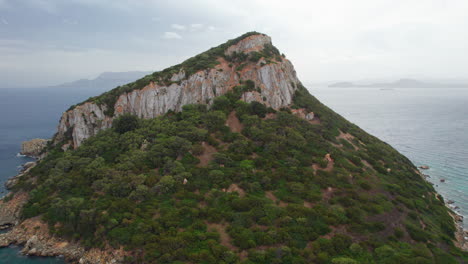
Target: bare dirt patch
<point>207,154</point>
<point>367,164</point>
<point>348,137</point>
<point>315,121</point>
<point>224,237</point>
<point>233,123</point>
<point>328,193</point>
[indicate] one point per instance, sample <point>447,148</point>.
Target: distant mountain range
<point>104,82</point>
<point>402,83</point>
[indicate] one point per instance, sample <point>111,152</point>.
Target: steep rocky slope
<point>276,82</point>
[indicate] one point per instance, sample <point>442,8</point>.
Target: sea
<point>26,114</point>
<point>429,126</point>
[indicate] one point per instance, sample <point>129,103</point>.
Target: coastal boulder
<point>34,147</point>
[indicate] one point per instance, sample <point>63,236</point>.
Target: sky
<point>47,42</point>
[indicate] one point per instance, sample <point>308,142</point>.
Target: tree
<point>247,164</point>
<point>222,103</point>
<point>140,193</point>
<point>215,120</point>
<point>125,123</point>
<point>257,108</point>
<point>166,184</point>
<point>216,176</point>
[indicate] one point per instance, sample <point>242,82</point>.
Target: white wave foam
<point>19,155</point>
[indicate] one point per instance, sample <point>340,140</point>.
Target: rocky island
<point>224,158</point>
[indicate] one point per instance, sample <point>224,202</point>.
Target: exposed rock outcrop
<point>249,44</point>
<point>10,211</point>
<point>14,180</point>
<point>34,147</point>
<point>302,113</point>
<point>461,235</point>
<point>34,234</point>
<point>275,81</point>
<point>83,122</point>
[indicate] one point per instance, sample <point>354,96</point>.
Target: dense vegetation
<point>184,187</point>
<point>203,61</point>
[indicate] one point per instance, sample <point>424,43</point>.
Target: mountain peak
<point>250,43</point>
<point>249,65</point>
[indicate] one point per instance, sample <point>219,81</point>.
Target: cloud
<point>178,27</point>
<point>195,27</point>
<point>324,39</point>
<point>171,35</point>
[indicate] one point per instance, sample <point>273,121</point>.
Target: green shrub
<point>125,123</point>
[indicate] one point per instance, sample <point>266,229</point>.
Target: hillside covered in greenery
<point>238,182</point>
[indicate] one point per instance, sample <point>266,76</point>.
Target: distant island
<point>401,83</point>
<point>104,82</point>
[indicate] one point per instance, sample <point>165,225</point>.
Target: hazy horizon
<point>49,42</point>
<point>130,76</point>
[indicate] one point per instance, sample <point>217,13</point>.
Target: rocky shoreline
<point>25,169</point>
<point>461,235</point>
<point>33,234</point>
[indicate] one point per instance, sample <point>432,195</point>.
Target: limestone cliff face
<point>83,122</point>
<point>276,80</point>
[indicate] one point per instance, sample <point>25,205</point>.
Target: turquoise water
<point>12,255</point>
<point>429,126</point>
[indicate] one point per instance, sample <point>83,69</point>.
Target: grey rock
<point>34,147</point>
<point>277,82</point>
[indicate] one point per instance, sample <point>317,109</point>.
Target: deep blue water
<point>26,114</point>
<point>429,126</point>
